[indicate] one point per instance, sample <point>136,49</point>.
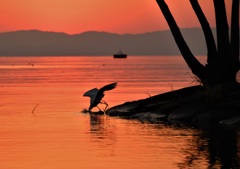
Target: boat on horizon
<point>120,54</point>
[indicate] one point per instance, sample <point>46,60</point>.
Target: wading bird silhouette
<point>96,96</point>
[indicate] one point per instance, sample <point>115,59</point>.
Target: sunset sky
<point>117,16</point>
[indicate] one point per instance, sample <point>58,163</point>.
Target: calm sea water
<point>56,135</point>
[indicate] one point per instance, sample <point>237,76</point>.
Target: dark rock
<point>217,105</point>
<point>152,117</point>
<point>213,117</point>
<point>152,103</point>
<point>187,112</point>
<point>231,121</point>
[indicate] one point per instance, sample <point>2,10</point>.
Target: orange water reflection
<point>89,142</point>
<point>78,141</point>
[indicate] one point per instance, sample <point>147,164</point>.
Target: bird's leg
<point>99,109</point>
<point>103,102</point>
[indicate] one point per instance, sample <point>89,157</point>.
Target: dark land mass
<point>38,43</point>
<point>198,106</point>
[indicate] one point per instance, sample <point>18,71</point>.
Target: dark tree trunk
<point>223,60</point>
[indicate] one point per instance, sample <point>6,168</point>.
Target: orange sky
<point>76,16</point>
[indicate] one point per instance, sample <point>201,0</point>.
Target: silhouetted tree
<point>223,59</point>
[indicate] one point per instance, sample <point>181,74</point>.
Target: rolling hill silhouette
<point>39,43</point>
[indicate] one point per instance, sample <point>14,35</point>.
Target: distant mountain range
<point>39,43</point>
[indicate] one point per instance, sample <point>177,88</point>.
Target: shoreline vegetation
<point>198,106</point>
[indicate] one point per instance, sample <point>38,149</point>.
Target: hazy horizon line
<point>100,31</point>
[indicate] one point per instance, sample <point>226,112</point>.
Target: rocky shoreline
<point>197,105</point>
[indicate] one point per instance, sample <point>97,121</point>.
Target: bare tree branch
<point>196,67</point>
<point>211,46</point>
<point>235,33</point>
<point>222,29</point>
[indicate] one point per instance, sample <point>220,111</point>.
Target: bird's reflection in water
<point>96,124</point>
<point>102,131</point>
<point>220,148</point>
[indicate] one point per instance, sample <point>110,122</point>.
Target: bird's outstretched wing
<point>92,94</point>
<point>108,87</point>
